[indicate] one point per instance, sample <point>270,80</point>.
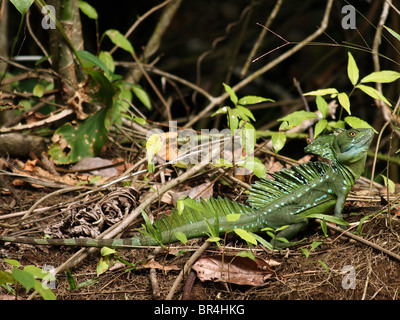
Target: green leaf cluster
<point>27,277</point>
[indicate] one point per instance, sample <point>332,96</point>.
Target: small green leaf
<point>326,217</point>
<point>38,90</point>
<point>357,123</point>
<point>181,236</point>
<point>321,92</point>
<point>372,92</point>
<point>246,254</point>
<point>232,217</point>
<point>102,265</point>
<point>23,277</point>
<point>385,76</point>
<point>322,106</point>
<point>324,265</point>
<point>393,33</point>
<point>389,183</point>
<point>180,205</point>
<point>13,262</point>
<point>108,60</point>
<point>320,127</point>
<point>232,94</point>
<point>344,101</point>
<point>71,280</point>
<point>105,251</point>
<point>214,239</point>
<point>119,39</point>
<point>245,113</point>
<point>91,60</point>
<point>296,118</point>
<point>249,100</point>
<point>315,244</point>
<point>352,70</point>
<point>324,227</point>
<point>305,251</point>
<point>278,141</point>
<point>245,235</point>
<point>261,240</point>
<point>44,291</point>
<point>88,10</point>
<point>6,277</point>
<point>22,5</point>
<point>256,166</point>
<point>142,95</point>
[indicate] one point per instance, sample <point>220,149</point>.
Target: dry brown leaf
<point>238,270</point>
<point>202,191</point>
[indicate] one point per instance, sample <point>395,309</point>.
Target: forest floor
<point>339,268</point>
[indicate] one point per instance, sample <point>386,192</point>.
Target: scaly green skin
<point>315,187</point>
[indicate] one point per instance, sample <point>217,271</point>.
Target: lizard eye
<point>352,134</point>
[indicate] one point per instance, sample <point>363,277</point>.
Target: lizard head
<point>350,148</point>
<point>347,147</point>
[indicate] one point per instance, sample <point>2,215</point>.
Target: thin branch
<point>261,36</point>
<point>267,67</point>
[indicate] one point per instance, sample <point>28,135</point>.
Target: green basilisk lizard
<point>285,200</point>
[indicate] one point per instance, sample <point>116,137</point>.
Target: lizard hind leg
<point>288,233</point>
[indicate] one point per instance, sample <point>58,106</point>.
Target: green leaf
<point>245,113</point>
<point>105,251</point>
<point>23,277</point>
<point>108,60</point>
<point>71,280</point>
<point>180,205</point>
<point>181,236</point>
<point>278,140</point>
<point>390,183</point>
<point>372,92</point>
<point>352,70</point>
<point>305,251</point>
<point>119,39</point>
<point>385,76</point>
<point>214,239</point>
<point>320,127</point>
<point>246,254</point>
<point>261,240</point>
<point>344,101</point>
<point>44,291</point>
<point>315,244</point>
<point>232,94</point>
<point>296,118</point>
<point>102,265</point>
<point>22,5</point>
<point>256,166</point>
<point>142,95</point>
<point>357,123</point>
<point>245,235</point>
<point>249,100</point>
<point>38,90</point>
<point>91,60</point>
<point>88,10</point>
<point>322,106</point>
<point>321,92</point>
<point>6,277</point>
<point>38,272</point>
<point>232,217</point>
<point>324,265</point>
<point>393,33</point>
<point>321,216</point>
<point>13,262</point>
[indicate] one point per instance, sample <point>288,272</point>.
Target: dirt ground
<point>338,269</point>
